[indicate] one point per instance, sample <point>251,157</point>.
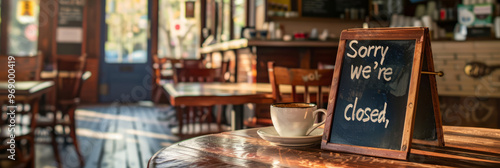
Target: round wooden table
<point>464,147</point>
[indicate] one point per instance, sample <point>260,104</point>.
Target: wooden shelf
<point>312,19</point>
<point>242,43</point>
<point>297,43</point>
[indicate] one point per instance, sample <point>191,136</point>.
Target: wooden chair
<point>27,68</point>
<point>68,90</point>
<point>161,65</point>
<point>158,77</point>
<point>311,81</point>
<point>189,115</point>
<point>24,141</point>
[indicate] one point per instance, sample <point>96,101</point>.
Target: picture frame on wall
<point>189,9</point>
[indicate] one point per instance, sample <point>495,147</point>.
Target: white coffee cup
<point>295,119</point>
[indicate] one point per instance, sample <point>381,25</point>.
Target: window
<point>22,27</point>
<point>226,20</point>
<point>178,36</point>
<point>239,18</point>
<point>127,31</point>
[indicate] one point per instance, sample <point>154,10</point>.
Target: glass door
<point>125,71</point>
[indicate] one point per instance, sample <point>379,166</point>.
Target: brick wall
<point>451,57</point>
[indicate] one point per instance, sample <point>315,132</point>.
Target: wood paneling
<point>93,48</point>
<point>3,28</point>
<point>93,29</point>
<point>292,57</point>
<point>90,86</point>
<point>323,55</point>
<point>154,28</point>
<point>286,57</point>
<point>45,27</point>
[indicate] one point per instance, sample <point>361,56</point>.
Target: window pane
<point>178,36</point>
<point>23,27</point>
<point>127,35</point>
<point>226,20</point>
<point>239,20</point>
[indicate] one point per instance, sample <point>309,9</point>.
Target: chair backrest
<point>193,63</point>
<point>69,85</point>
<point>27,68</point>
<point>173,62</point>
<point>158,67</point>
<point>308,78</point>
<point>195,74</point>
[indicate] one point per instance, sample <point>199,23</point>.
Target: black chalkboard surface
<point>318,8</point>
<point>373,99</point>
<point>70,14</point>
<point>333,8</point>
<point>376,100</point>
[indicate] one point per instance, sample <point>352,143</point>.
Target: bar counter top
<point>242,43</point>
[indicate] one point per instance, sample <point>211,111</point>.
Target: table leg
<point>237,117</point>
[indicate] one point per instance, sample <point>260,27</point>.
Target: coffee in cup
<point>295,119</point>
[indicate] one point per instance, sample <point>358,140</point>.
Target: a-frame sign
<point>383,93</point>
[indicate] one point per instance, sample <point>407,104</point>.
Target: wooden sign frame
<point>422,49</point>
<point>425,99</point>
<point>190,8</point>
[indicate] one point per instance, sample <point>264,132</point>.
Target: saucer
<point>270,134</point>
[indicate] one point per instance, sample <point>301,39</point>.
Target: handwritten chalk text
<point>366,114</point>
<point>364,71</point>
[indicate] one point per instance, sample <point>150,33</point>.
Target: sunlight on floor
<point>93,116</point>
<point>111,135</point>
<point>152,135</point>
<point>98,135</point>
<point>88,113</point>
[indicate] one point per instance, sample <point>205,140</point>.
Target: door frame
<point>150,50</point>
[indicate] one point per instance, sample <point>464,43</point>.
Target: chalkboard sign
<point>318,8</point>
<point>69,30</point>
<point>334,8</point>
<point>374,93</point>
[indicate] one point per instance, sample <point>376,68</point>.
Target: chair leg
<point>157,95</point>
<point>55,146</point>
<point>180,119</point>
<point>210,116</point>
<point>200,111</point>
<point>188,118</point>
<point>191,119</point>
<point>63,127</point>
<point>198,116</point>
<point>219,117</point>
<point>33,156</point>
<point>73,136</point>
<point>205,111</point>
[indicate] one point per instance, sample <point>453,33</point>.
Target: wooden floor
<point>115,135</point>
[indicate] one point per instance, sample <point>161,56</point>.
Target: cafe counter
<point>253,55</point>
